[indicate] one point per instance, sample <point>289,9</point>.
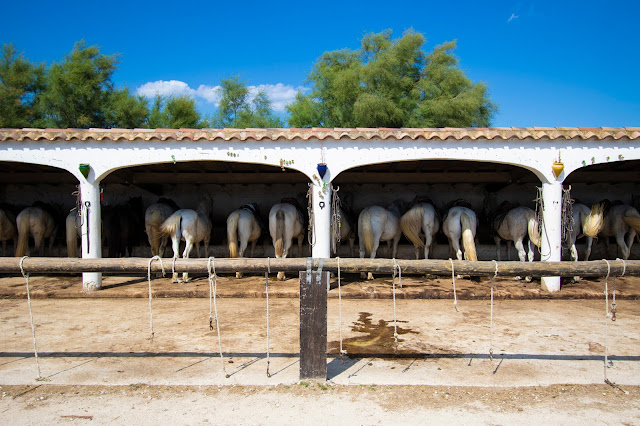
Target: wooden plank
<point>313,325</point>
<point>60,265</point>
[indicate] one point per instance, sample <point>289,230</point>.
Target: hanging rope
<point>398,271</point>
<point>310,233</point>
<point>213,288</point>
<point>33,328</point>
<point>150,298</point>
<point>606,321</point>
<point>266,279</point>
<point>491,328</point>
<point>567,216</point>
<point>342,351</point>
<point>614,305</point>
<point>78,208</point>
<point>453,279</point>
<point>336,219</point>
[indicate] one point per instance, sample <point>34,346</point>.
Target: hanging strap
<point>398,271</point>
<point>213,287</point>
<point>266,279</point>
<point>33,328</point>
<point>342,351</point>
<point>453,280</point>
<point>150,297</point>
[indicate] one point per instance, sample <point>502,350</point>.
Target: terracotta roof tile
<point>291,134</point>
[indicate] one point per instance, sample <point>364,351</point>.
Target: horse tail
<point>155,222</point>
<point>411,223</point>
<point>232,236</point>
<point>467,238</point>
<point>72,236</point>
<point>632,218</point>
<point>533,227</point>
<point>172,226</point>
<point>23,222</point>
<point>278,244</point>
<point>595,221</point>
<point>366,232</point>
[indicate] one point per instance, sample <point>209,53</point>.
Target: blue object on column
<point>322,169</point>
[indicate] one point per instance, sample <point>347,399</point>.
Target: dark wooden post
<point>313,325</point>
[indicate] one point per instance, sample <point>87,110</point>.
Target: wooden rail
<point>58,265</point>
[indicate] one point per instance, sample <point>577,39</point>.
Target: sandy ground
<point>99,363</point>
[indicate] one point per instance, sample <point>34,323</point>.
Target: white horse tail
<point>155,223</point>
<point>533,227</point>
<point>467,237</point>
<point>632,218</point>
<point>278,243</point>
<point>23,222</point>
<point>172,226</point>
<point>232,233</point>
<point>411,223</point>
<point>595,221</point>
<point>366,233</point>
<point>72,236</point>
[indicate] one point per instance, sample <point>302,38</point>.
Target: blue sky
<point>547,63</point>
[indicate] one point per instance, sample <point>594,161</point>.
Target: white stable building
<point>373,165</point>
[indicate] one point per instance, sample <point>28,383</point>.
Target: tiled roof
<point>500,133</point>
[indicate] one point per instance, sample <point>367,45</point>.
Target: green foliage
<point>391,83</point>
<point>127,111</point>
<point>79,89</point>
<point>174,112</point>
<point>21,83</point>
<point>235,109</point>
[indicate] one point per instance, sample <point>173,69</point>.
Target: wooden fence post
<point>313,325</point>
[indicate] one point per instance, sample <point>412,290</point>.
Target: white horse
<point>460,223</point>
<point>192,227</point>
<point>285,223</point>
<point>620,221</point>
<point>154,217</point>
<point>243,226</point>
<point>345,231</point>
<point>377,224</point>
<point>516,225</point>
<point>38,223</point>
<point>421,219</point>
<point>8,230</point>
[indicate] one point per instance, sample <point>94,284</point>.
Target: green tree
<point>237,110</point>
<point>174,112</point>
<point>21,83</point>
<point>79,89</point>
<point>127,111</point>
<point>391,83</point>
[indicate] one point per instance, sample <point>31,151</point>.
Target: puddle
<point>377,337</point>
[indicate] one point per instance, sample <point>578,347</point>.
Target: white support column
<point>91,232</point>
<point>551,250</point>
<point>321,218</point>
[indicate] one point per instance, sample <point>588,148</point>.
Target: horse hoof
<point>370,276</point>
<point>528,279</point>
<point>239,275</point>
<point>281,276</point>
<point>576,279</point>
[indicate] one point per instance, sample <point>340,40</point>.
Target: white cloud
<point>165,88</point>
<point>280,94</point>
<point>512,17</point>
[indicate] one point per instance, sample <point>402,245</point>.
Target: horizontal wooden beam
<point>56,265</point>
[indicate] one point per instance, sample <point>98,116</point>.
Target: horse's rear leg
<point>175,245</point>
<point>522,255</point>
<point>241,249</point>
<point>300,240</point>
<point>376,244</point>
<point>498,248</point>
<point>185,255</point>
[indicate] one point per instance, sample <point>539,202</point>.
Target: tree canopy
<point>391,83</point>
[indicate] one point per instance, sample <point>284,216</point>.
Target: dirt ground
<point>99,363</point>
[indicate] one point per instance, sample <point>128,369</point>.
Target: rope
<point>614,305</point>
<point>342,351</point>
<point>336,219</point>
<point>453,279</point>
<point>396,267</point>
<point>266,278</point>
<point>491,329</point>
<point>150,298</point>
<point>606,322</point>
<point>310,233</point>
<point>33,328</point>
<point>213,287</point>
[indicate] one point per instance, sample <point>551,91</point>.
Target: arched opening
<point>485,185</point>
<point>230,184</point>
<point>23,184</point>
<point>617,181</point>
